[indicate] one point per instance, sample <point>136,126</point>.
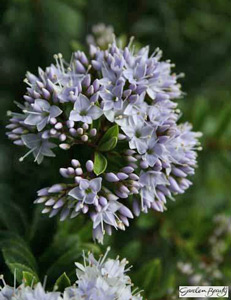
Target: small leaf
<point>109,135</point>
<point>19,269</point>
<point>29,279</point>
<point>62,282</point>
<point>100,163</point>
<point>109,145</point>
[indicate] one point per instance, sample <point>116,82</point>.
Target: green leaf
<point>19,269</point>
<point>149,277</point>
<point>108,145</point>
<point>17,222</point>
<point>153,273</point>
<point>29,278</point>
<point>110,138</point>
<point>100,163</point>
<point>16,250</point>
<point>62,282</point>
<point>222,121</point>
<point>65,262</point>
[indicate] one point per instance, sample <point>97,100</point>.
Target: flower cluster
<point>102,35</point>
<point>96,279</point>
<point>115,106</point>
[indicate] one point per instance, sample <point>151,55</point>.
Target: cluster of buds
<point>88,194</point>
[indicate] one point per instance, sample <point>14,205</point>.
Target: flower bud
<point>62,137</point>
<point>126,212</point>
<point>89,165</point>
<point>58,204</point>
<point>70,124</point>
<point>56,188</point>
<point>65,146</point>
<point>128,169</point>
<point>80,131</point>
<point>64,214</point>
<point>85,126</point>
<point>87,80</point>
<point>84,138</point>
<point>58,126</point>
<point>75,163</point>
<point>144,164</point>
<point>79,171</point>
<point>93,132</point>
<point>63,172</point>
<point>102,201</point>
<point>53,121</point>
<point>111,177</point>
<point>122,176</point>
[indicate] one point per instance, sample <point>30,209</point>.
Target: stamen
<point>31,112</point>
<point>60,56</point>
<point>19,105</point>
<point>105,255</point>
<point>88,69</point>
<point>27,82</point>
<point>36,158</point>
<point>130,41</point>
<point>15,274</point>
<point>45,282</point>
<point>28,153</point>
<point>2,279</point>
<point>84,259</point>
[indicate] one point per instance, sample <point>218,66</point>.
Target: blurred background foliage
<point>195,35</point>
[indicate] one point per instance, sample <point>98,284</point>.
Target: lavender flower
<point>39,146</point>
<point>41,114</point>
<point>154,151</point>
<point>117,105</point>
<point>27,293</point>
<point>85,111</point>
<point>139,134</point>
<point>87,190</point>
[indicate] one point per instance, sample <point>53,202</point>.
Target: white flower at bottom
<point>103,279</point>
<point>27,293</point>
<point>37,293</point>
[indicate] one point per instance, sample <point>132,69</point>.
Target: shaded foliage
<point>195,35</point>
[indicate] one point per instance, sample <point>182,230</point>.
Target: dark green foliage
<point>195,35</point>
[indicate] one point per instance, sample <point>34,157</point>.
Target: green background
<point>196,36</point>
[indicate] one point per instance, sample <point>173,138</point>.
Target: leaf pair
<point>107,143</point>
<point>109,140</point>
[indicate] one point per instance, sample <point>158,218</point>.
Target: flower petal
<point>76,193</point>
<point>95,112</point>
<point>55,111</point>
<point>95,184</point>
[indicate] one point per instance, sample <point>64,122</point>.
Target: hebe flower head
<point>116,105</point>
<point>103,279</point>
